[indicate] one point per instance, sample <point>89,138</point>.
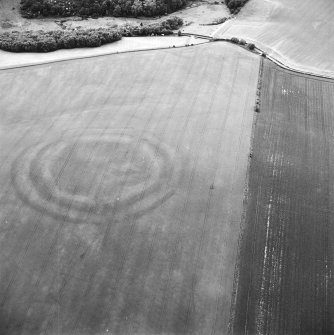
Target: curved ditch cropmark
<point>50,177</point>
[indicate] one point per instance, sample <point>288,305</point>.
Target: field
<point>141,194</point>
<point>127,44</point>
<point>285,282</point>
<point>122,183</point>
<point>297,32</point>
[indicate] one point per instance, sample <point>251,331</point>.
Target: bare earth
<point>197,19</point>
<point>10,18</point>
<point>122,183</point>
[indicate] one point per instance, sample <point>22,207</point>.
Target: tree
<point>149,7</point>
<point>117,10</point>
<point>137,8</point>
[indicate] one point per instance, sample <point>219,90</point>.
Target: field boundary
<point>205,37</point>
<point>243,222</point>
<point>286,67</point>
<point>95,56</point>
<point>208,39</point>
<point>261,52</point>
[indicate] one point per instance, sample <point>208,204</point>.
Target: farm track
<point>122,194</point>
<point>284,282</point>
<point>279,62</point>
<point>13,61</point>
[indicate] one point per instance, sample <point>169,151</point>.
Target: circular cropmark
<point>97,176</point>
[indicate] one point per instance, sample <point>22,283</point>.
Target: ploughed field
<point>285,281</point>
<point>122,182</point>
<point>298,33</point>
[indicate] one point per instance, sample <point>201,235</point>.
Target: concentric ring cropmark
<point>96,177</point>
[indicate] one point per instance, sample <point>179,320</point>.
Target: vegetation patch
<point>259,87</point>
<point>216,22</point>
<point>235,5</point>
<point>165,27</point>
<point>45,41</point>
<point>98,8</point>
<point>242,42</point>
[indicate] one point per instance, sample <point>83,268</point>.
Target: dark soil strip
<point>284,282</point>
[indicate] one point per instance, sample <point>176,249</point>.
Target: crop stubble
<point>122,183</point>
<point>285,282</point>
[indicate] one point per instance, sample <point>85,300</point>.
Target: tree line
<point>98,8</point>
<point>235,5</point>
<point>46,41</point>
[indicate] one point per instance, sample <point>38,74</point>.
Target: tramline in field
<point>122,191</point>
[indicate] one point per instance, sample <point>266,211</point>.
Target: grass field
<point>122,181</point>
<point>298,32</point>
<point>285,283</point>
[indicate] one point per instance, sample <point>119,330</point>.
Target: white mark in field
<point>289,91</point>
<point>262,311</point>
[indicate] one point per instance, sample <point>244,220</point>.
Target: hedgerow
<point>235,5</point>
<point>45,41</point>
<point>165,27</point>
<point>242,42</point>
<point>98,8</point>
